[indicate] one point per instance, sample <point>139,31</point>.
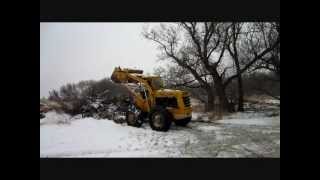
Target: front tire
<point>160,119</point>
<point>133,120</point>
<point>134,116</point>
<point>182,122</point>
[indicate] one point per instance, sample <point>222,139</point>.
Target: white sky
<point>71,52</point>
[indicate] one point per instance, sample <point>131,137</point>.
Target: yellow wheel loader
<point>150,101</point>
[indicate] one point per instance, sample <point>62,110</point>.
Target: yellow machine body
<point>149,93</point>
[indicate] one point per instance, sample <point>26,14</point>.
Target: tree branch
<point>255,59</point>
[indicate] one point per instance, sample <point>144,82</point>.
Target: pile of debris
<point>43,109</point>
<point>104,105</point>
<point>101,109</point>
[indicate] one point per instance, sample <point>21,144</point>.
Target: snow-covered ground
<point>247,134</point>
<point>95,138</point>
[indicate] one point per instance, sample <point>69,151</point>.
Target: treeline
<point>257,83</point>
<point>73,97</point>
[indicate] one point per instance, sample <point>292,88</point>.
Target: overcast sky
<point>71,52</point>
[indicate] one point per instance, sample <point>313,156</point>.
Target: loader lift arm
<point>126,75</point>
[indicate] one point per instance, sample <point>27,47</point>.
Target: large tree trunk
<point>236,60</point>
<point>240,87</point>
<point>224,104</point>
<point>240,94</point>
<point>210,100</point>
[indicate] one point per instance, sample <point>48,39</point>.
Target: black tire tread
<point>182,122</point>
<point>167,119</point>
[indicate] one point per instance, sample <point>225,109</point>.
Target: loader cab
<point>155,82</point>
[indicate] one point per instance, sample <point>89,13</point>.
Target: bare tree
<point>252,46</point>
<point>54,96</point>
<point>271,62</point>
<point>193,52</point>
<point>269,38</point>
<point>232,47</point>
<point>201,51</point>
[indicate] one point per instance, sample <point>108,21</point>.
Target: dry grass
<point>54,106</point>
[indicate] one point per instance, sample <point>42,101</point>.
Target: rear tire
<point>160,119</point>
<point>182,122</point>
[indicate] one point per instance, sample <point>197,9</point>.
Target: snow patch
<point>89,137</point>
<point>208,128</point>
<point>255,121</point>
<point>197,116</point>
<point>273,101</point>
<point>52,117</point>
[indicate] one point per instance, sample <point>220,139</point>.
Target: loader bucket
<point>137,71</point>
<point>120,75</point>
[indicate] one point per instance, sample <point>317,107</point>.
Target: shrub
<point>71,98</point>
